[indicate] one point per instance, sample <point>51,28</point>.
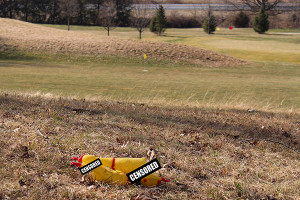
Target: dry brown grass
<point>34,38</point>
<point>192,1</point>
<point>211,154</point>
<point>182,1</point>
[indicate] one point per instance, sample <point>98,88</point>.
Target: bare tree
<point>98,4</point>
<point>296,17</point>
<point>108,15</point>
<point>140,18</point>
<point>194,12</point>
<point>270,6</point>
<point>69,9</point>
<point>296,5</point>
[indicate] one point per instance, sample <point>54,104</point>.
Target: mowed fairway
<point>261,84</point>
<point>257,87</point>
<point>275,46</point>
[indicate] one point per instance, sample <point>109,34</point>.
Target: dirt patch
<point>36,38</point>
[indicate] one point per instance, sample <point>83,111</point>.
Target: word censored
<point>143,171</point>
<point>89,167</point>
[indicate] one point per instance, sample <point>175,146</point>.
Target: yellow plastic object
<point>105,173</point>
<point>114,170</point>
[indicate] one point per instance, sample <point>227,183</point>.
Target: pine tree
<point>210,23</point>
<point>261,22</point>
<point>241,20</point>
<point>153,25</point>
<point>158,24</point>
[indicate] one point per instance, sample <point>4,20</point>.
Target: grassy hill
<point>223,127</point>
<point>76,63</point>
<point>26,36</point>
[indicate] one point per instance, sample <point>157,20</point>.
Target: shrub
<point>182,21</point>
<point>261,22</point>
<point>158,24</point>
<point>241,20</point>
<point>210,23</point>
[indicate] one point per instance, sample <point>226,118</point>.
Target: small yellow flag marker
<point>145,56</point>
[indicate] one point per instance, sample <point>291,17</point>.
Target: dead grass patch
<point>207,153</point>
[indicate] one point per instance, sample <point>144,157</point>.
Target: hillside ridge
<point>25,36</point>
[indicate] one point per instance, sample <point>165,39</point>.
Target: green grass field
<point>270,82</point>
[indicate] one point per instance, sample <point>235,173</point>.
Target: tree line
<point>87,12</point>
<point>112,13</point>
<point>79,12</point>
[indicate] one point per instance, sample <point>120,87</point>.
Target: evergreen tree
<point>241,20</point>
<point>153,23</point>
<point>210,23</point>
<point>261,22</point>
<point>158,24</point>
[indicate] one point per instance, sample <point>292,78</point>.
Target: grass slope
<point>274,46</point>
<point>207,154</point>
<point>34,38</point>
<point>260,85</point>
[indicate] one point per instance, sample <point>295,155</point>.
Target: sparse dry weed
<point>207,153</point>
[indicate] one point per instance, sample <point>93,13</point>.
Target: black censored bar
<point>143,171</point>
<point>89,167</point>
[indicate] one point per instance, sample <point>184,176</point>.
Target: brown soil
<point>35,38</point>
